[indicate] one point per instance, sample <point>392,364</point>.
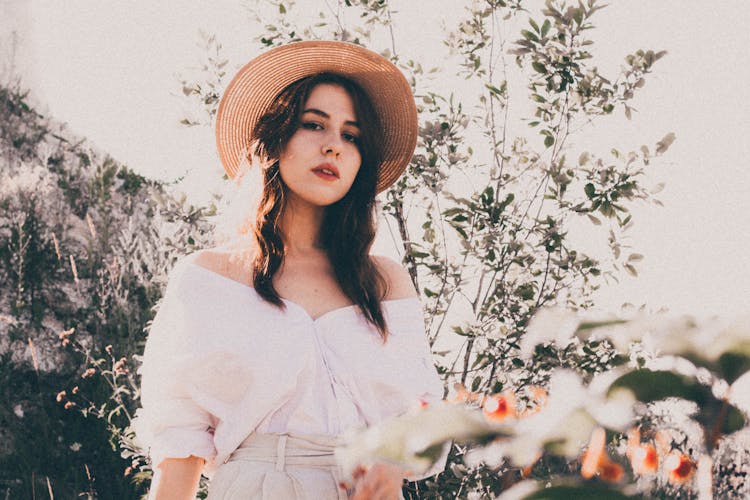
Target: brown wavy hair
<point>348,228</point>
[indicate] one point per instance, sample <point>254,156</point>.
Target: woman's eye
<point>311,126</point>
<point>351,138</point>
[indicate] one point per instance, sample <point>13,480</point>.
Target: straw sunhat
<point>256,85</point>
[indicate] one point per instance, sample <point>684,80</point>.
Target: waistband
<point>315,450</point>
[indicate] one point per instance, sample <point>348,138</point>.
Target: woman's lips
<point>326,171</point>
<point>325,175</point>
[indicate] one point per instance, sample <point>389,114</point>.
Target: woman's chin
<point>319,197</point>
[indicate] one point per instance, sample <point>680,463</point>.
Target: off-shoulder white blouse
<point>220,363</point>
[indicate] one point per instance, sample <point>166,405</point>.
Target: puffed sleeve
<point>171,423</point>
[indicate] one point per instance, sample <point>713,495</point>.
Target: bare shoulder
<point>397,278</point>
<point>231,262</point>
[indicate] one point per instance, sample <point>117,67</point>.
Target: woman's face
<point>319,163</point>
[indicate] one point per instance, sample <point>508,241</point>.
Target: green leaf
<point>539,67</point>
<point>733,364</point>
<point>590,190</point>
<point>549,141</point>
<point>648,385</point>
<point>735,420</point>
<point>534,25</point>
<point>494,90</point>
<point>578,16</point>
<point>545,27</point>
<point>529,35</point>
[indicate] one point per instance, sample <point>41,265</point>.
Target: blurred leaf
<point>631,270</point>
<point>648,385</point>
<point>587,491</point>
<point>590,325</point>
<point>663,145</point>
<point>732,365</point>
<point>735,420</point>
<point>594,220</point>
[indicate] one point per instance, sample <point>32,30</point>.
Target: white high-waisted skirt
<point>280,466</point>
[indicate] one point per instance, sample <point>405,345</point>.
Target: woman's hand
<point>176,479</point>
<point>381,481</point>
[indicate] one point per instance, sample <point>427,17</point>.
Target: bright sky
<point>108,68</point>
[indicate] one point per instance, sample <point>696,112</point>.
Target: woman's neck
<point>300,226</point>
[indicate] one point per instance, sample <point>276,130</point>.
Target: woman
<point>262,355</point>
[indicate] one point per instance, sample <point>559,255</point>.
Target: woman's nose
<point>332,145</point>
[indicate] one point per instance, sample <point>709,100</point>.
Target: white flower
<point>402,439</point>
<point>549,325</point>
<point>18,410</point>
<point>75,446</point>
<point>739,393</point>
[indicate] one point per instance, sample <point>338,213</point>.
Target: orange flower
<point>611,472</point>
<point>679,467</point>
<point>526,471</point>
<point>643,456</point>
<point>88,373</point>
<point>60,396</point>
<point>594,454</point>
<point>66,333</point>
<point>499,407</point>
<point>538,400</point>
<point>463,395</point>
<point>644,459</point>
<point>120,367</point>
<point>595,459</point>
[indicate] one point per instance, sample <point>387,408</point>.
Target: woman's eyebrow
<point>323,114</point>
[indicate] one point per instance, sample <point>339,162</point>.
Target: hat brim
<point>256,84</point>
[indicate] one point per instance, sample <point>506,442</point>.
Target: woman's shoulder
<point>230,260</point>
<point>398,280</point>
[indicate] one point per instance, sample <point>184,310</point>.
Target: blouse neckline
<point>298,307</point>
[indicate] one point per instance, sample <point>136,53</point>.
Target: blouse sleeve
<point>171,424</point>
<point>409,331</point>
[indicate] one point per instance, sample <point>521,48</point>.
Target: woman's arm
<point>176,479</point>
<point>382,481</point>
